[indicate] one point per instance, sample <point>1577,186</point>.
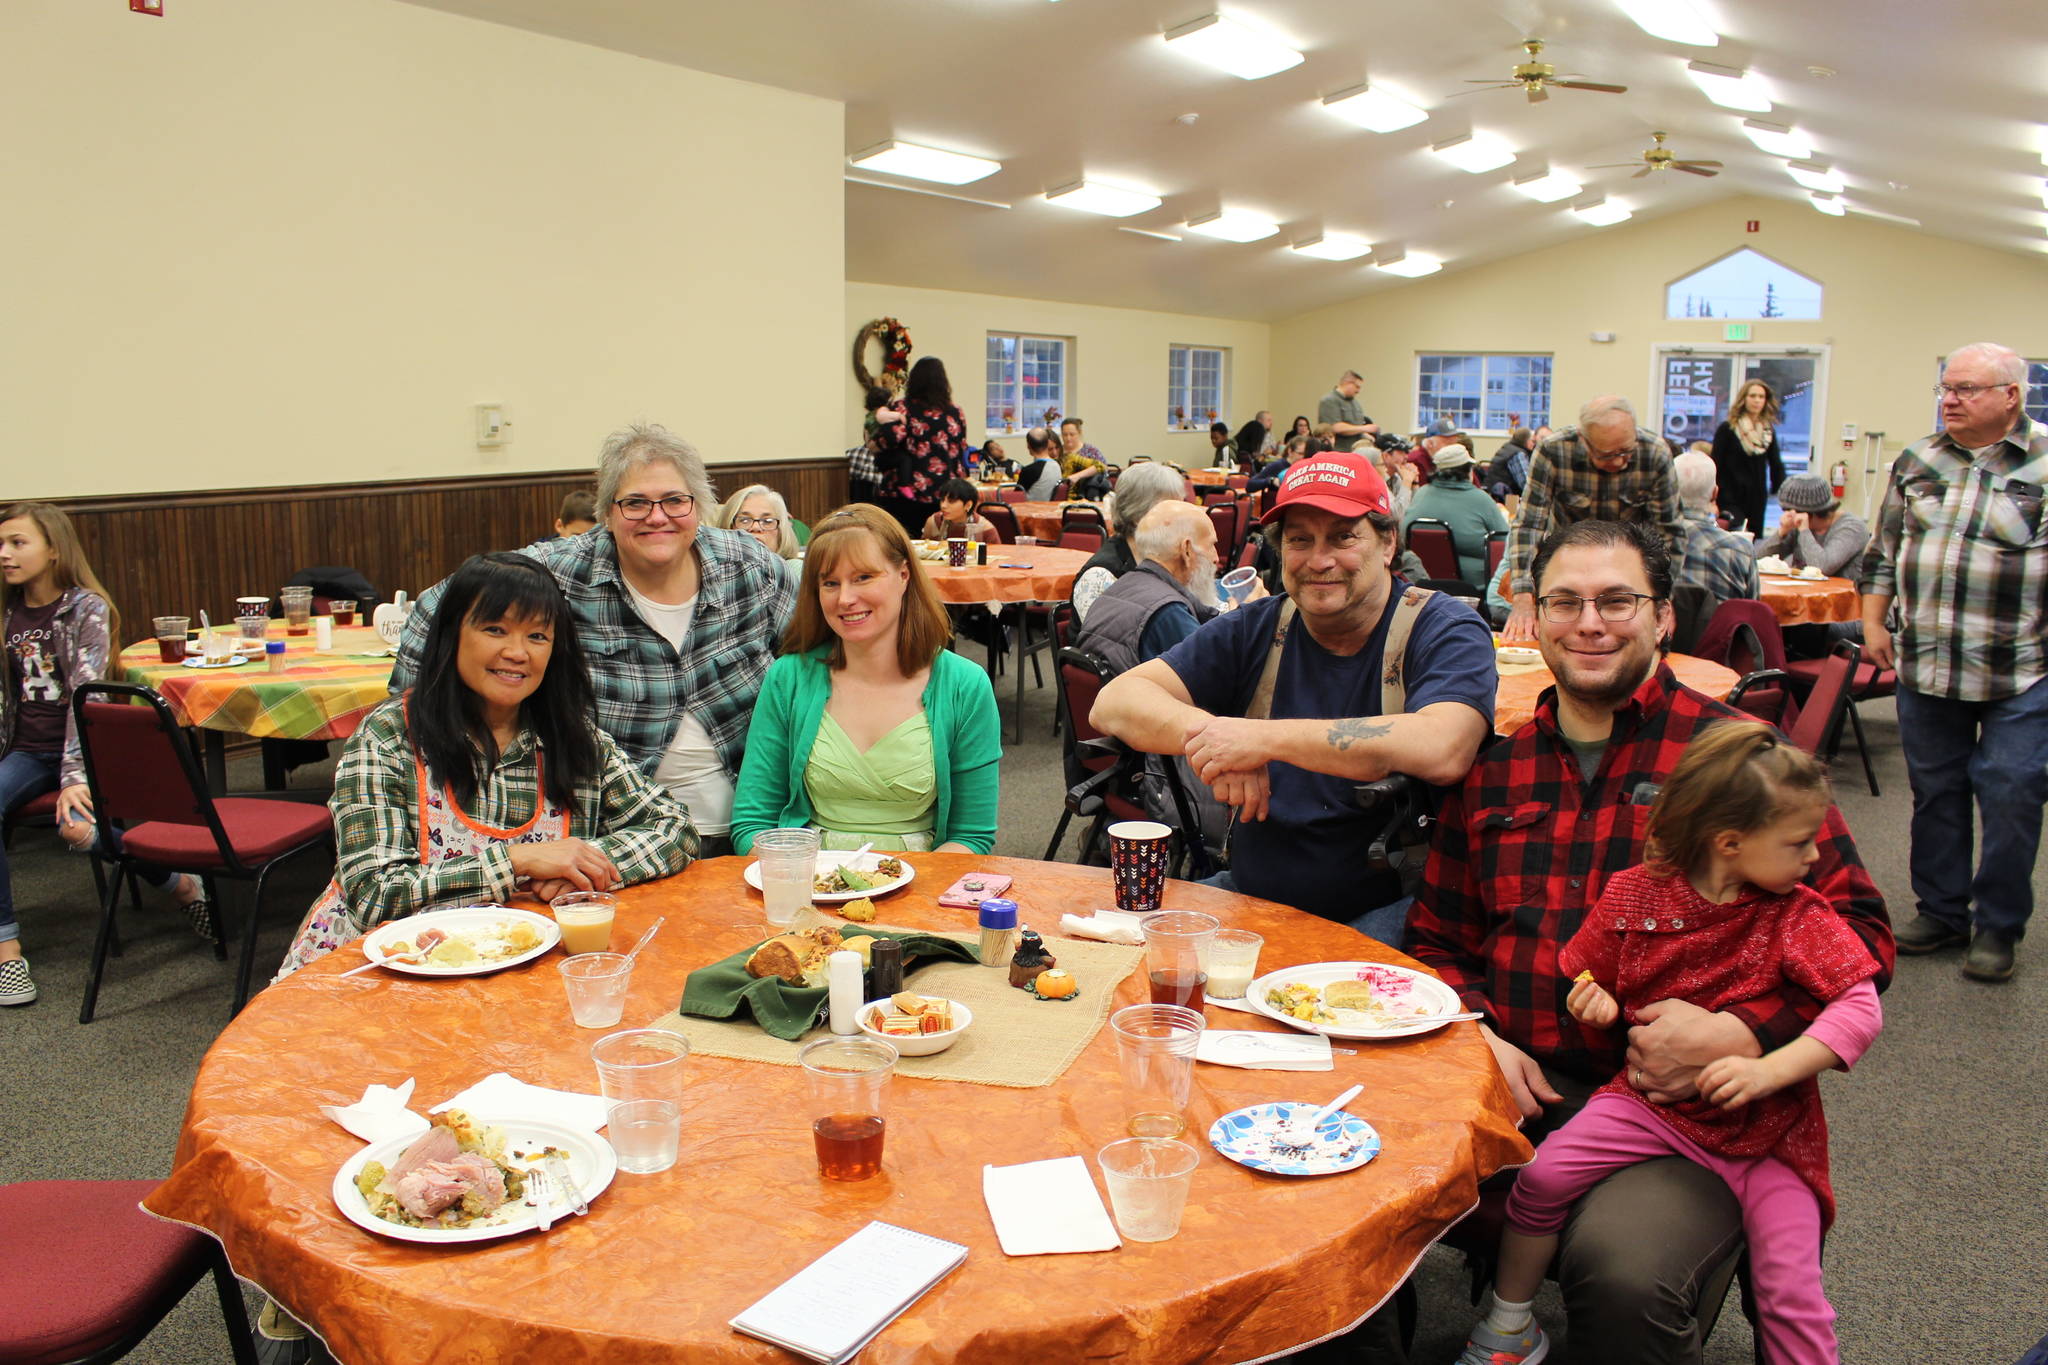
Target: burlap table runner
<point>1016,1039</point>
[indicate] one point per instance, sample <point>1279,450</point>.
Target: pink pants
<point>1780,1215</point>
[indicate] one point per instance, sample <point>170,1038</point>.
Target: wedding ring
<point>1639,1078</point>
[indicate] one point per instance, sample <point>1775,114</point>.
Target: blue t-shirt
<point>1309,851</point>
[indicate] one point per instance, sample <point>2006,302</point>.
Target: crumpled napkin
<point>1046,1207</point>
<point>380,1114</point>
<point>501,1096</point>
<point>1260,1051</point>
<point>1110,926</point>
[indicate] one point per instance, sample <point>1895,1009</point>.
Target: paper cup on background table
<point>252,614</point>
<point>956,551</point>
<point>1138,852</point>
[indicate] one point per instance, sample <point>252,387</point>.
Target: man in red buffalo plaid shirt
<point>1522,851</point>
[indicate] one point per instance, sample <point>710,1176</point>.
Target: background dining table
<point>1799,601</point>
<point>1015,575</point>
<point>1263,1263</point>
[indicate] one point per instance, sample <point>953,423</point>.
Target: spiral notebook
<point>835,1305</point>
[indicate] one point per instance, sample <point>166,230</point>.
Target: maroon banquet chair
<point>1433,544</point>
<point>1003,517</point>
<point>143,775</point>
<point>89,1275</point>
<point>1867,682</point>
<point>1091,541</point>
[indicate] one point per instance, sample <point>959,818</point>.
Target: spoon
<point>1303,1130</point>
<point>645,938</point>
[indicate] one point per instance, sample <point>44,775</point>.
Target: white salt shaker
<point>842,983</point>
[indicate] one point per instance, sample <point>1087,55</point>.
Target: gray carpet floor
<point>1939,1161</point>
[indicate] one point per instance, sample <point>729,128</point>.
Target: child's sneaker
<point>17,987</point>
<point>1488,1347</point>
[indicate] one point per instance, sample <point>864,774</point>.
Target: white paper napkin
<point>1110,926</point>
<point>380,1114</point>
<point>1046,1207</point>
<point>1264,1051</point>
<point>501,1096</point>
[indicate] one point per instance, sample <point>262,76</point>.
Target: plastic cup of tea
<point>1231,964</point>
<point>846,1084</point>
<point>1148,1180</point>
<point>645,1134</point>
<point>1138,852</point>
<point>170,638</point>
<point>1176,953</point>
<point>640,1064</point>
<point>789,867</point>
<point>597,988</point>
<point>344,609</point>
<point>298,610</point>
<point>585,919</point>
<point>1155,1053</point>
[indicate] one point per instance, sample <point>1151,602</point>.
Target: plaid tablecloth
<point>318,696</point>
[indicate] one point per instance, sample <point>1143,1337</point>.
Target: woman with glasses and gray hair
<point>680,620</point>
<point>1139,489</point>
<point>759,511</point>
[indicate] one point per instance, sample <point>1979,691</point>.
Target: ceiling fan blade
<point>1688,165</point>
<point>1505,85</point>
<point>1693,170</point>
<point>1643,172</point>
<point>1470,81</point>
<point>1538,95</point>
<point>1593,85</point>
<point>1614,166</point>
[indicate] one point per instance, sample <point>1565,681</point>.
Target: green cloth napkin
<point>785,1011</point>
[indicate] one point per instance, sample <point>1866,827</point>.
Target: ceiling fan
<point>1536,77</point>
<point>1661,158</point>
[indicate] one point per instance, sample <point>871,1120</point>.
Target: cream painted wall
<point>1896,300</point>
<point>263,243</point>
<point>1119,361</point>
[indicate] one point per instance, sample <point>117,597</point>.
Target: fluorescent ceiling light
<point>924,163</point>
<point>1107,200</point>
<point>1334,246</point>
<point>1673,19</point>
<point>2044,194</point>
<point>1148,232</point>
<point>1375,109</point>
<point>1231,47</point>
<point>1600,213</point>
<point>1407,264</point>
<point>1827,204</point>
<point>1233,225</point>
<point>1777,139</point>
<point>1475,152</point>
<point>1730,88</point>
<point>1900,219</point>
<point>925,190</point>
<point>1815,176</point>
<point>1549,187</point>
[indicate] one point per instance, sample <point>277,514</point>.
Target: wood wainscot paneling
<point>176,553</point>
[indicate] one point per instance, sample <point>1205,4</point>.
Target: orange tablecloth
<point>1044,519</point>
<point>318,696</point>
<point>653,1273</point>
<point>1050,577</point>
<point>1809,601</point>
<point>1515,702</point>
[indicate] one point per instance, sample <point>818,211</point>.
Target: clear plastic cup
<point>1232,963</point>
<point>846,1081</point>
<point>170,637</point>
<point>1148,1180</point>
<point>645,1134</point>
<point>1155,1052</point>
<point>217,645</point>
<point>585,919</point>
<point>344,609</point>
<point>641,1064</point>
<point>597,988</point>
<point>1176,955</point>
<point>1238,583</point>
<point>298,610</point>
<point>789,866</point>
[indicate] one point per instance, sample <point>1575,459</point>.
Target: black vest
<point>1116,622</point>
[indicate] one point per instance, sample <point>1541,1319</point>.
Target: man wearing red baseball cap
<point>1281,706</point>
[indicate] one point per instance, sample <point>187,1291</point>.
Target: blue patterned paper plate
<point>1255,1137</point>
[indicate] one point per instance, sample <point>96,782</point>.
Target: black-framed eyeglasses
<point>744,522</point>
<point>675,505</point>
<point>1967,390</point>
<point>1563,608</point>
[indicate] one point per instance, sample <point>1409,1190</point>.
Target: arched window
<point>1743,284</point>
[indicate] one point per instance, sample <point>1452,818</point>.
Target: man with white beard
<point>1160,603</point>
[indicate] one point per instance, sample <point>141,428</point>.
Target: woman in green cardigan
<point>867,727</point>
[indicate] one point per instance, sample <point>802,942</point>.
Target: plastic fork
<point>538,1185</point>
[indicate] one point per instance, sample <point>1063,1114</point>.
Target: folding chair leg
<point>100,945</point>
<point>1059,832</point>
<point>248,965</point>
<point>1863,748</point>
<point>234,1314</point>
<point>220,923</point>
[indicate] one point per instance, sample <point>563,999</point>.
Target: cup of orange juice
<point>585,919</point>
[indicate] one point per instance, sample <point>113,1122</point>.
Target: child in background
<point>1716,916</point>
<point>956,515</point>
<point>578,514</point>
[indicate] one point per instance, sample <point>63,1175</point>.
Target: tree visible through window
<point>1744,284</point>
<point>1027,382</point>
<point>1195,386</point>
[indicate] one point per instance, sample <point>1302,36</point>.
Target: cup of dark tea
<point>1138,851</point>
<point>1176,955</point>
<point>344,609</point>
<point>847,1083</point>
<point>170,638</point>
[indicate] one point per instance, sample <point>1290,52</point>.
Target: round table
<point>1046,520</point>
<point>1046,575</point>
<point>1810,601</point>
<point>1515,700</point>
<point>652,1274</point>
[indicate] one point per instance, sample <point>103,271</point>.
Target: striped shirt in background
<point>1565,488</point>
<point>1962,543</point>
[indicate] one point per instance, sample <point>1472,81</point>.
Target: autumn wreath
<point>895,341</point>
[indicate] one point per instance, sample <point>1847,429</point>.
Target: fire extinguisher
<point>1838,475</point>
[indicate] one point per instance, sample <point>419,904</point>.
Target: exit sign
<point>1734,331</point>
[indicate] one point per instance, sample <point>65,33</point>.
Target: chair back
<point>1217,499</point>
<point>1248,554</point>
<point>1012,492</point>
<point>1237,483</point>
<point>1767,695</point>
<point>1434,545</point>
<point>1062,489</point>
<point>1224,518</point>
<point>1821,718</point>
<point>1091,541</point>
<point>1001,516</point>
<point>139,766</point>
<point>1764,646</point>
<point>1084,754</point>
<point>1083,516</point>
<point>1496,550</point>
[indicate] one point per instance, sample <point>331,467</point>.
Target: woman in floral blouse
<point>920,453</point>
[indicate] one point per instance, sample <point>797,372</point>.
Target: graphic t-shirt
<point>39,689</point>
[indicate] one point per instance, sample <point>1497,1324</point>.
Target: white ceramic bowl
<point>924,1044</point>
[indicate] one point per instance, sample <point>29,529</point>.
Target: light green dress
<point>890,794</point>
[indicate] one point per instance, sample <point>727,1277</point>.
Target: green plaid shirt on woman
<point>1564,488</point>
<point>1963,545</point>
<point>744,596</point>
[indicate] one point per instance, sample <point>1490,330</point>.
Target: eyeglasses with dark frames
<point>744,522</point>
<point>675,506</point>
<point>1562,608</point>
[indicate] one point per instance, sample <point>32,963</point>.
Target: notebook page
<point>833,1305</point>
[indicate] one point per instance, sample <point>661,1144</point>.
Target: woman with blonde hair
<point>759,511</point>
<point>59,629</point>
<point>868,727</point>
<point>1747,461</point>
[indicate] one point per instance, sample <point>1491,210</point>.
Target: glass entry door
<point>1695,384</point>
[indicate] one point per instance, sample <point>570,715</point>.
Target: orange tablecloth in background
<point>1049,579</point>
<point>1515,702</point>
<point>1811,601</point>
<point>653,1273</point>
<point>1042,519</point>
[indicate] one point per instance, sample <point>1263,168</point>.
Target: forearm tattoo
<point>1345,733</point>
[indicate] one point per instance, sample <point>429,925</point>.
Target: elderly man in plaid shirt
<point>1962,545</point>
<point>680,621</point>
<point>1522,850</point>
<point>1604,469</point>
<point>1721,562</point>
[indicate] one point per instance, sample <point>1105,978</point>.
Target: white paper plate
<point>591,1164</point>
<point>1517,656</point>
<point>1439,998</point>
<point>1256,1137</point>
<point>376,945</point>
<point>830,858</point>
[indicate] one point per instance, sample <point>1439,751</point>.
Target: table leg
<point>216,752</point>
<point>273,766</point>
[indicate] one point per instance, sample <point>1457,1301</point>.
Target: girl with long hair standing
<point>1747,461</point>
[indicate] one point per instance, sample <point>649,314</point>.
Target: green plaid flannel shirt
<point>376,807</point>
<point>1564,487</point>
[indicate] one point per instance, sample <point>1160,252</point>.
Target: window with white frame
<point>1197,386</point>
<point>1483,393</point>
<point>1029,378</point>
